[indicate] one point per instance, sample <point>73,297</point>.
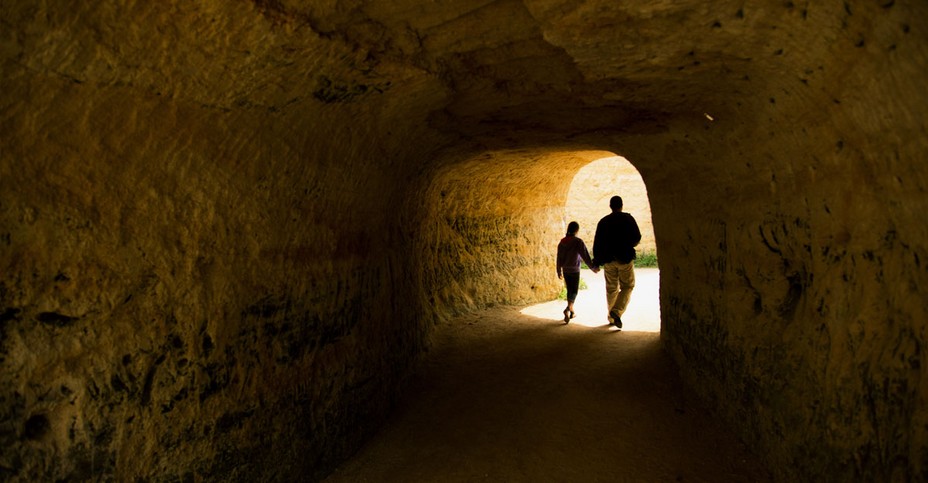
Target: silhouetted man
<point>617,235</point>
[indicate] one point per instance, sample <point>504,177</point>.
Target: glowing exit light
<point>708,116</point>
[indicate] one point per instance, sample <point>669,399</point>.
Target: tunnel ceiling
<point>559,66</point>
<point>539,63</point>
<point>538,67</point>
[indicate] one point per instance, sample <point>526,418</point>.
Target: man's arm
<point>636,233</point>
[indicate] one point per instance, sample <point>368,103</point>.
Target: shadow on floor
<point>505,396</point>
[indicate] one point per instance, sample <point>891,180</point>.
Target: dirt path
<point>507,396</point>
<point>643,313</point>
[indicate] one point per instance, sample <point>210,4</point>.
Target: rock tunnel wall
<point>228,228</point>
<point>493,222</point>
<point>184,294</point>
<point>806,328</point>
<point>198,280</point>
<point>793,264</point>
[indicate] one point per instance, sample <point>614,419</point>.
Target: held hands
<point>595,269</point>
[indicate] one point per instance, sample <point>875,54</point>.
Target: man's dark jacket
<point>617,235</point>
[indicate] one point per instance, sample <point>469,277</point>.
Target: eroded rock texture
<point>228,228</point>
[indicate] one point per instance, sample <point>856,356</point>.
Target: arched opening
<point>595,183</point>
<point>587,202</point>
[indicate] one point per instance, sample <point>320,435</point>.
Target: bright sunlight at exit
<point>587,203</point>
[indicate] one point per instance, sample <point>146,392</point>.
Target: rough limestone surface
<point>228,229</point>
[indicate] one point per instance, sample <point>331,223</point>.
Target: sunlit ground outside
<point>643,313</point>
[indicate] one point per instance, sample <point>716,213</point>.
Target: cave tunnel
<point>230,230</point>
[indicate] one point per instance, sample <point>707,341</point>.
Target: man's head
<point>615,203</point>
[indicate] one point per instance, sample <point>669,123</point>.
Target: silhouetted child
<point>570,251</point>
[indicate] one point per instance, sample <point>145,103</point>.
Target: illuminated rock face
<point>228,228</point>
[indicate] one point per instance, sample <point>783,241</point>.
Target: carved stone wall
<point>227,229</point>
<point>185,292</point>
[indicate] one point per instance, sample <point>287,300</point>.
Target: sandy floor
<point>513,394</point>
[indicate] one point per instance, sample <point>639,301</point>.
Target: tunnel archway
<point>587,202</point>
<point>493,220</point>
<point>595,183</point>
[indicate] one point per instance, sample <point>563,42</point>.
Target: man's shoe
<point>615,320</point>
